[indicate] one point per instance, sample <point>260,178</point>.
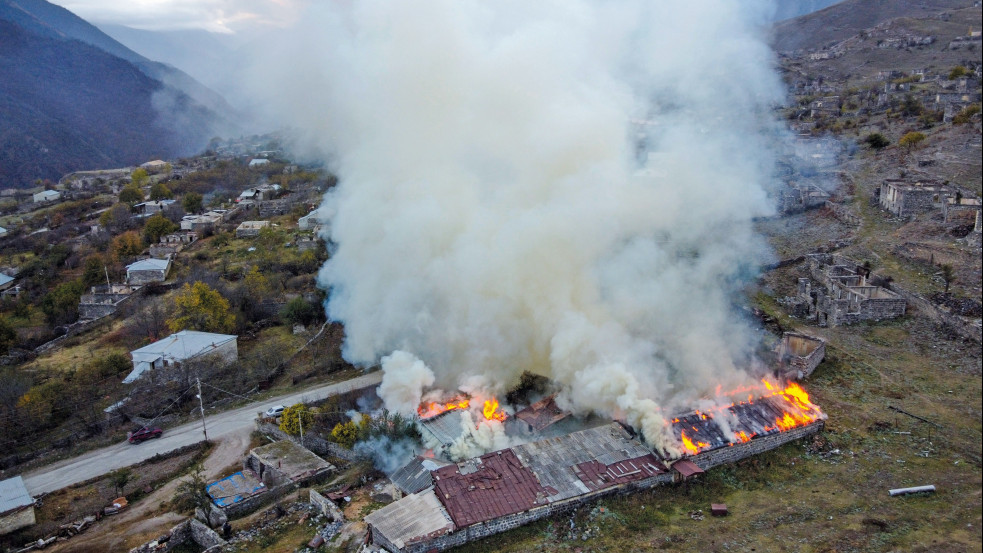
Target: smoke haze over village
<point>494,214</point>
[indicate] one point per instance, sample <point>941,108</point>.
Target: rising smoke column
<point>493,215</point>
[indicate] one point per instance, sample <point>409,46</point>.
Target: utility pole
<point>201,405</point>
<point>109,288</point>
<point>300,419</point>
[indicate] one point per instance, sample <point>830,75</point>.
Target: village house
<point>6,281</point>
<point>827,105</point>
<point>309,222</point>
<point>180,348</point>
<point>204,222</point>
<point>257,162</point>
<point>148,270</point>
<point>47,196</point>
<point>3,232</point>
<point>905,199</point>
<point>154,207</point>
<point>260,193</point>
<point>16,505</point>
<point>249,229</point>
<point>171,244</point>
<point>104,300</point>
<point>267,473</point>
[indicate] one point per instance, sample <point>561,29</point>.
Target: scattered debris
<point>697,514</point>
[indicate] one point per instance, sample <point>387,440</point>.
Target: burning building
<point>505,489</point>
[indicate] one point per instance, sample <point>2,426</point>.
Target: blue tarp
<point>232,489</point>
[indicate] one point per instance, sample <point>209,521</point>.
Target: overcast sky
<point>226,16</point>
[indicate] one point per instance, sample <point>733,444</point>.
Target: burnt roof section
<point>597,476</point>
<point>542,414</point>
<point>757,418</point>
<point>500,486</point>
<point>415,475</point>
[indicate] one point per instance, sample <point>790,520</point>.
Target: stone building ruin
<point>844,296</point>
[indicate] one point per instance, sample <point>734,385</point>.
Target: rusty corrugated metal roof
<point>541,414</point>
<point>687,468</point>
<point>597,476</point>
<point>414,518</point>
<point>500,486</point>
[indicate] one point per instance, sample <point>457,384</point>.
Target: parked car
<point>144,433</point>
<point>275,411</point>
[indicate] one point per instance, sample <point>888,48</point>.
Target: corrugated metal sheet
<point>552,459</point>
<point>14,495</point>
<point>446,427</point>
<point>500,486</point>
<point>415,475</point>
<point>541,414</point>
<point>597,476</point>
<point>687,468</point>
<point>414,518</point>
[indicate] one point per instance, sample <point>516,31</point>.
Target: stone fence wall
<point>326,506</point>
<point>966,329</point>
<point>317,444</point>
<point>189,530</point>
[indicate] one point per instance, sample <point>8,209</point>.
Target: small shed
<point>16,505</point>
<point>249,229</point>
<point>285,462</point>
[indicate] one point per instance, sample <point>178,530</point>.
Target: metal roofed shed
<point>415,518</point>
<point>415,476</point>
<point>16,505</point>
<point>148,270</point>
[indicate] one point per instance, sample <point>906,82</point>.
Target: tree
<point>120,478</point>
<point>127,245</point>
<point>160,191</point>
<point>910,140</point>
<point>948,275</point>
<point>60,305</point>
<point>345,434</point>
<point>8,336</point>
<point>876,140</point>
<point>257,284</point>
<point>139,178</point>
<point>192,202</point>
<point>300,311</point>
<point>157,226</point>
<point>131,194</point>
<point>199,307</point>
<point>957,71</point>
<point>293,416</point>
<point>191,492</point>
<point>93,273</point>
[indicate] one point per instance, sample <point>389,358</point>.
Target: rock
<point>217,518</point>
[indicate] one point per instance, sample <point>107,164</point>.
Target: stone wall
<point>326,506</point>
<point>724,455</point>
<point>253,503</point>
<point>144,277</point>
<point>966,329</point>
<point>16,520</point>
<point>189,530</point>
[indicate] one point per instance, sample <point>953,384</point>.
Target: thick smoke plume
<point>562,187</point>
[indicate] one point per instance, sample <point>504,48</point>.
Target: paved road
<point>101,461</point>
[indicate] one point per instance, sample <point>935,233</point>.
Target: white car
<point>275,411</point>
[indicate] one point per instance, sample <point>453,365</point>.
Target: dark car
<point>144,433</point>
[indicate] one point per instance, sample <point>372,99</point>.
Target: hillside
<point>845,19</point>
<point>73,98</point>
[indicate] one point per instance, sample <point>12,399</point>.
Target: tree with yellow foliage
<point>200,307</point>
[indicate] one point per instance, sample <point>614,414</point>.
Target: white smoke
<point>492,216</point>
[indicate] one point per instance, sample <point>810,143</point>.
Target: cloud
<point>222,16</point>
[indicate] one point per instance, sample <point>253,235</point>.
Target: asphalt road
<point>101,461</point>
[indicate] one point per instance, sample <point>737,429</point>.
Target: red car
<point>144,433</point>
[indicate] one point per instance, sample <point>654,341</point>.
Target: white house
<point>3,232</point>
<point>148,270</point>
<point>256,162</point>
<point>47,196</point>
<point>6,281</point>
<point>181,347</point>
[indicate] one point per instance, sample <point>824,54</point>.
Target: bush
<point>293,416</point>
<point>966,115</point>
<point>876,140</point>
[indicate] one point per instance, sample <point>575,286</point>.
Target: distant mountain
<point>72,98</point>
<point>847,18</point>
<point>787,9</point>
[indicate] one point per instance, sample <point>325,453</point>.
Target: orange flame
<point>432,409</point>
<point>688,444</point>
<point>491,412</point>
<point>797,411</point>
